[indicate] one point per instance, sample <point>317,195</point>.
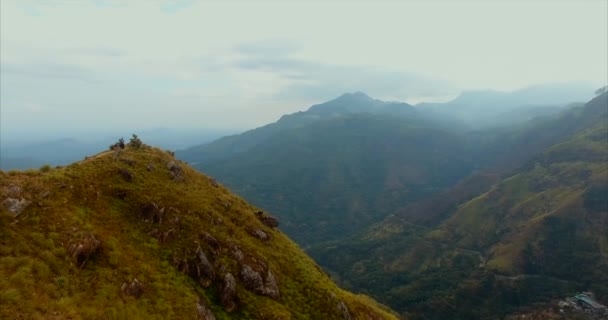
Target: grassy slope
<point>535,235</point>
<point>39,279</point>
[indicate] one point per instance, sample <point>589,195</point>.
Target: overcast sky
<point>240,64</point>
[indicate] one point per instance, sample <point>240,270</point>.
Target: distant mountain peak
<point>356,95</point>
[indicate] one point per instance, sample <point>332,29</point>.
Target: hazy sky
<point>238,64</point>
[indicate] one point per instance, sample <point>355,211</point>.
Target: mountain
<point>489,108</point>
<point>137,234</point>
<point>334,169</point>
<point>347,104</point>
<point>491,245</point>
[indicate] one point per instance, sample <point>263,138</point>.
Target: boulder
<point>176,170</point>
<point>202,269</point>
<point>254,282</point>
<point>134,289</point>
<point>81,251</point>
<point>268,220</point>
<point>203,312</point>
<point>13,191</point>
<point>15,206</point>
<point>271,289</point>
<point>259,234</point>
<point>228,295</point>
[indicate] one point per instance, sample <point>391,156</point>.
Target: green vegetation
<point>485,249</point>
<point>51,267</point>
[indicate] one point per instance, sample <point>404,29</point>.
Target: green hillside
<point>484,250</point>
<point>140,235</point>
<point>336,176</point>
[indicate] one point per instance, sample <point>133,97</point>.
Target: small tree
<point>135,141</point>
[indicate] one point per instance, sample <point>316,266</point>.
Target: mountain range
<point>428,213</point>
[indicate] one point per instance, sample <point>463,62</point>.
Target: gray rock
<point>228,296</point>
<point>84,249</point>
<point>252,280</point>
<point>259,234</point>
<point>203,269</point>
<point>13,191</point>
<point>135,289</point>
<point>203,312</point>
<point>15,206</point>
<point>271,288</point>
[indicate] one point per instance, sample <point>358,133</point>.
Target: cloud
<point>47,70</point>
<point>311,80</point>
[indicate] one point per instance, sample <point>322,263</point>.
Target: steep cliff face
<point>137,234</point>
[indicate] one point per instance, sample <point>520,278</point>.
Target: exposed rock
<point>341,306</point>
<point>271,288</point>
<point>44,194</point>
<point>150,212</point>
<point>13,191</point>
<point>84,249</point>
<point>253,281</point>
<point>15,206</point>
<point>126,174</point>
<point>228,295</point>
<point>135,289</point>
<point>149,167</point>
<point>203,312</point>
<point>344,310</point>
<point>268,220</point>
<point>202,268</point>
<point>174,168</point>
<point>237,253</point>
<point>259,234</point>
<point>211,241</point>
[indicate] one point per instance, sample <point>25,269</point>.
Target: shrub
<point>45,168</point>
<point>135,142</point>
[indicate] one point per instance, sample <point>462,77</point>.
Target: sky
<point>97,65</point>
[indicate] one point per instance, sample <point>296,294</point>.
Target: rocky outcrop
<point>203,311</point>
<point>254,282</point>
<point>134,289</point>
<point>15,206</point>
<point>228,295</point>
<point>268,220</point>
<point>202,270</point>
<point>259,234</point>
<point>176,171</point>
<point>82,250</point>
<point>13,191</point>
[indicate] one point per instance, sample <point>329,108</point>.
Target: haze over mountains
<point>461,215</point>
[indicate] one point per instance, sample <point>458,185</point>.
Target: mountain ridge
<point>135,233</point>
